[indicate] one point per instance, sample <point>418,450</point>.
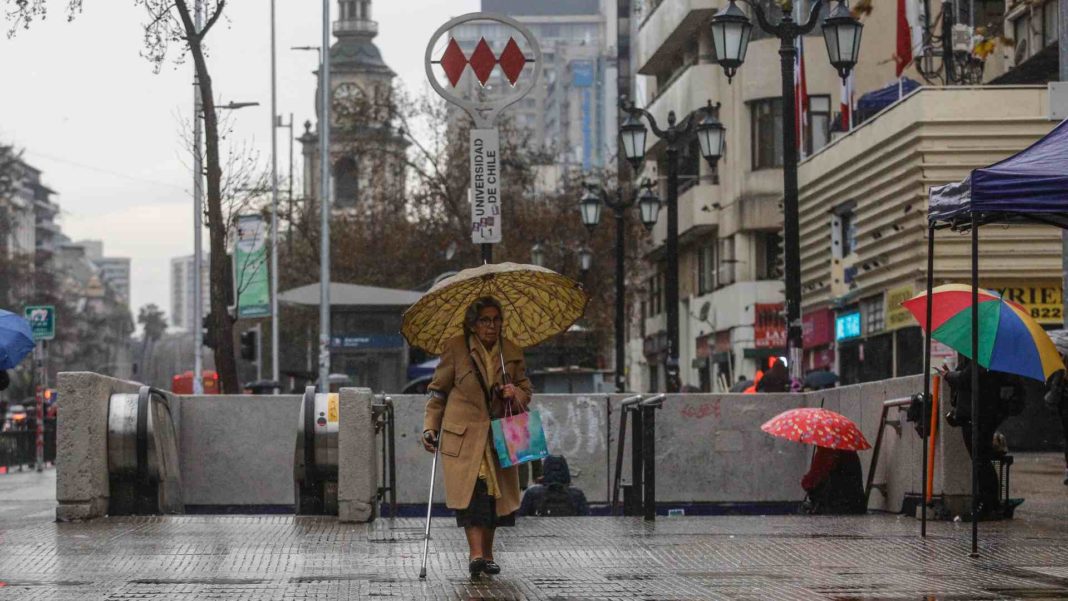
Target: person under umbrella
<point>468,390</point>
<point>478,321</point>
<point>834,482</point>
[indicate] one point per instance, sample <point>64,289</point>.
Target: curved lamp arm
<point>628,106</point>
<point>787,25</point>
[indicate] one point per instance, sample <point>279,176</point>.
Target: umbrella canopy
<point>538,304</point>
<point>821,379</point>
<point>1009,340</point>
<point>1031,183</point>
<point>818,427</point>
<point>16,339</point>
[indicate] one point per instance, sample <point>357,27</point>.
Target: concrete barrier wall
<point>238,450</point>
<point>82,443</point>
<point>710,447</point>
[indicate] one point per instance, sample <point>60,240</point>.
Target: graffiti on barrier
<point>575,427</point>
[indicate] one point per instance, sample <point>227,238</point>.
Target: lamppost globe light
<point>731,30</point>
<point>537,254</point>
<point>649,206</point>
<point>632,134</point>
<point>590,207</point>
<point>712,136</point>
<point>842,33</point>
<point>585,259</point>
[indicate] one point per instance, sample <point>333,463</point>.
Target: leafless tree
<point>170,23</point>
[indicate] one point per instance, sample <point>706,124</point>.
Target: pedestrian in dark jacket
<point>996,392</point>
<point>1056,400</point>
<point>834,483</point>
<point>776,380</point>
<point>554,497</point>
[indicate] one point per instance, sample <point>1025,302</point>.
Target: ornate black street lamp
<point>731,31</point>
<point>648,210</point>
<point>711,137</point>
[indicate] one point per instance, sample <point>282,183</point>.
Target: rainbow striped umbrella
<point>1009,340</point>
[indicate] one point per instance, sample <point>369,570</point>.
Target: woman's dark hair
<point>471,316</point>
<point>5,381</point>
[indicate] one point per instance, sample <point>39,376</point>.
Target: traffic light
<point>248,345</point>
<point>207,334</point>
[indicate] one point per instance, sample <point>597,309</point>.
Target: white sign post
<point>486,185</point>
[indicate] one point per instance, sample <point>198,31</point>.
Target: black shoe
<point>477,566</point>
<point>492,568</point>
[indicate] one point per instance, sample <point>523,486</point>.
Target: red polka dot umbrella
<point>818,427</point>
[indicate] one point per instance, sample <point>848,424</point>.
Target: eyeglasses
<point>487,321</point>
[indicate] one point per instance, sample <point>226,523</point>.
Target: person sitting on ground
<point>834,483</point>
<point>554,497</point>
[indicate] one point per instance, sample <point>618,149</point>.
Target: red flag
<point>903,56</point>
<point>800,94</point>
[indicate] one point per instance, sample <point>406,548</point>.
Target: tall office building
<point>181,314</point>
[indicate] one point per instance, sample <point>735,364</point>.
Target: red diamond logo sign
<point>512,61</point>
<point>453,62</point>
<point>483,61</point>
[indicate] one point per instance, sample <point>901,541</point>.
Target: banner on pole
<point>485,186</point>
<point>250,268</point>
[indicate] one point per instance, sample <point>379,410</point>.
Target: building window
<point>769,252</point>
<point>347,183</point>
<point>655,302</point>
<point>706,268</point>
<point>819,123</point>
<point>766,118</point>
<point>847,231</point>
<point>872,310</point>
<point>1049,23</point>
<point>726,262</point>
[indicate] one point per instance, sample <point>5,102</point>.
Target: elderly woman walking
<point>479,375</point>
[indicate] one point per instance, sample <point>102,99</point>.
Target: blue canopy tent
<point>1029,186</point>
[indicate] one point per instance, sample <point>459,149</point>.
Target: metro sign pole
<point>486,184</point>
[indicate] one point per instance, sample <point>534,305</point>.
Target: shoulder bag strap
<point>481,380</point>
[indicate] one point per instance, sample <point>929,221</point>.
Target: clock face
<point>348,92</point>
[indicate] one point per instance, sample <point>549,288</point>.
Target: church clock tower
<point>364,142</point>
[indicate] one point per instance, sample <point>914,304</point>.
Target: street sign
<point>453,62</point>
<point>485,186</point>
<point>42,320</point>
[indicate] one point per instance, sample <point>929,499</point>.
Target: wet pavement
<point>690,558</point>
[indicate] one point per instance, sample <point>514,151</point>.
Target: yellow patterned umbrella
<point>538,304</point>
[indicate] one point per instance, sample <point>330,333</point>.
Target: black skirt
<point>482,511</point>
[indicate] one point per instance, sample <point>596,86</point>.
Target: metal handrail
<point>385,422</point>
<point>887,405</point>
<point>628,404</point>
<point>654,401</point>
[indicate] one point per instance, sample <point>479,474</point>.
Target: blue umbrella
<point>16,339</point>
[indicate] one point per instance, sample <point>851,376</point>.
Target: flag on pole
<point>800,94</point>
<point>909,33</point>
<point>845,106</point>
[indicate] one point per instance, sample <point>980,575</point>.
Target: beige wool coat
<point>457,409</point>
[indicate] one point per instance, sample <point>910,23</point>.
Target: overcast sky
<point>88,110</point>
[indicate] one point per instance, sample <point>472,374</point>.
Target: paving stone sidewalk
<point>283,557</point>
